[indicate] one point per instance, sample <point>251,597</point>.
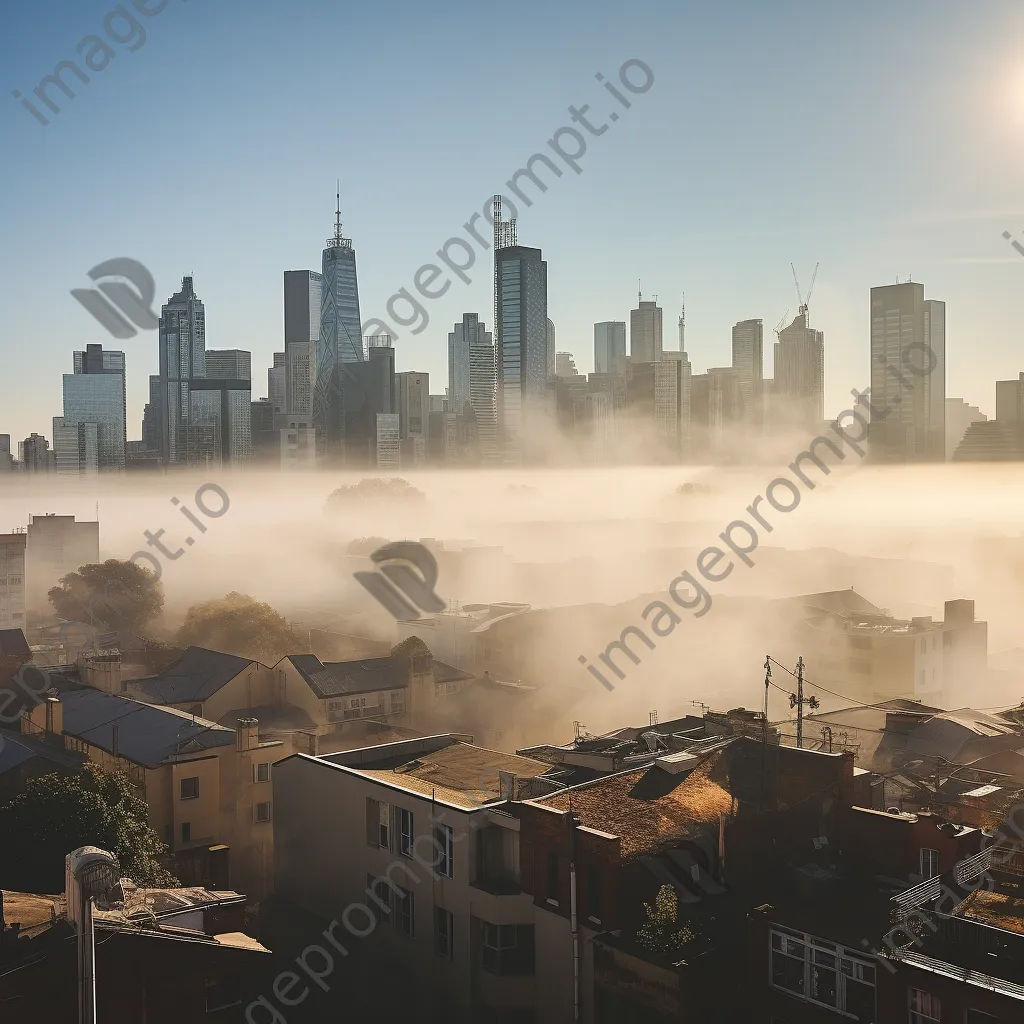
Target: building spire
<point>338,241</point>
<point>682,324</point>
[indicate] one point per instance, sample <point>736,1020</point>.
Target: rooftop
<point>998,909</point>
<point>368,675</point>
<point>196,676</point>
<point>14,645</point>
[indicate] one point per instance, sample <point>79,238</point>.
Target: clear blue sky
<point>880,139</point>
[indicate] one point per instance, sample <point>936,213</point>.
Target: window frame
<point>444,842</point>
<point>921,862</point>
<point>923,1014</point>
<point>444,938</point>
<point>181,788</point>
<point>405,917</point>
<point>256,771</point>
<point>405,830</point>
<point>256,812</point>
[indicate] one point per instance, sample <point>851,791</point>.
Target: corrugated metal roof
<point>196,676</point>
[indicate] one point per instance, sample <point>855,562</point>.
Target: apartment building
<point>208,787</point>
<point>12,580</point>
<point>437,870</point>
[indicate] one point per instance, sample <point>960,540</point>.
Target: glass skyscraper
<point>303,299</point>
<point>95,394</point>
<point>182,358</point>
<point>340,340</point>
<point>521,285</point>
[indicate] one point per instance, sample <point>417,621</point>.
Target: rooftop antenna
<point>338,241</point>
<point>682,324</point>
<point>639,294</point>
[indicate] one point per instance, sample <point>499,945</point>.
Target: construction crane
<point>782,322</point>
<point>804,301</point>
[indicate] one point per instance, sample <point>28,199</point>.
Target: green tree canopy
<point>240,625</point>
<point>111,596</point>
<point>59,813</point>
<point>661,934</point>
<point>374,489</point>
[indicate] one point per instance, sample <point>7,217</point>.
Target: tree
<point>662,934</point>
<point>240,625</point>
<point>59,813</point>
<point>374,489</point>
<point>110,596</point>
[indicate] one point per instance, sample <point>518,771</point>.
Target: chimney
<point>248,733</point>
<point>54,717</point>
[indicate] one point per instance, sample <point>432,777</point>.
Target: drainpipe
<point>573,924</point>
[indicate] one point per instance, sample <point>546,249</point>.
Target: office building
<point>748,362</point>
<point>609,346</point>
<point>463,338</point>
<point>6,458</point>
<point>95,393</point>
<point>471,386</point>
<point>388,441</point>
<point>551,354</point>
<point>959,417</point>
<point>76,447</point>
<point>645,326</point>
<point>798,387</point>
<point>340,341</point>
<point>413,405</point>
<point>297,440</point>
<point>521,337</point>
<point>12,580</point>
<point>600,412</point>
<point>672,378</point>
<point>229,364</point>
<point>263,432</point>
<point>369,390</point>
<point>303,297</point>
<point>226,406</point>
<point>34,454</point>
<point>981,440</point>
<point>57,546</point>
<point>182,340</point>
<point>565,365</point>
<point>277,384</point>
<point>908,374</point>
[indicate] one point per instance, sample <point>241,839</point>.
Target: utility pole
<point>798,700</point>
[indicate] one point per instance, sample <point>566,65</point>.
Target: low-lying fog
<point>907,539</point>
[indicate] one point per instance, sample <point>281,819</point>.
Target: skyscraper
<point>75,446</point>
<point>34,454</point>
<point>95,393</point>
<point>521,307</point>
<point>798,389</point>
<point>748,362</point>
<point>463,337</point>
<point>340,340</point>
<point>645,324</point>
<point>413,403</point>
<point>672,384</point>
<point>565,365</point>
<point>224,405</point>
<point>277,384</point>
<point>551,353</point>
<point>303,298</point>
<point>229,364</point>
<point>908,374</point>
<point>609,345</point>
<point>182,359</point>
<point>369,389</point>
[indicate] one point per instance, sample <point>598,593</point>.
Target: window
<point>924,1007</point>
<point>929,863</point>
<point>405,919</point>
<point>445,844</point>
<point>404,822</point>
<point>443,932</point>
<point>507,948</point>
<point>223,992</point>
<point>379,892</point>
<point>186,831</point>
<point>261,772</point>
<point>553,876</point>
<point>378,824</point>
<point>397,703</point>
<point>263,811</point>
<point>190,788</point>
<point>823,973</point>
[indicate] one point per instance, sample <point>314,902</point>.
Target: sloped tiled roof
<point>368,675</point>
<point>196,676</point>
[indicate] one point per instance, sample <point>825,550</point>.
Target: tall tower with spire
<point>340,339</point>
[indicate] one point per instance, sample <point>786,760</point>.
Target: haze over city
<point>584,443</point>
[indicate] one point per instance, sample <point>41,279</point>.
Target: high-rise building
<point>12,580</point>
<point>297,443</point>
<point>226,406</point>
<point>96,393</point>
<point>748,362</point>
<point>369,390</point>
<point>303,298</point>
<point>645,325</point>
<point>34,454</point>
<point>601,414</point>
<point>76,446</point>
<point>1009,400</point>
<point>57,545</point>
<point>6,459</point>
<point>462,338</point>
<point>229,364</point>
<point>266,441</point>
<point>387,449</point>
<point>960,416</point>
<point>609,345</point>
<point>413,404</point>
<point>798,387</point>
<point>277,383</point>
<point>908,374</point>
<point>340,341</point>
<point>672,380</point>
<point>565,365</point>
<point>472,384</point>
<point>550,348</point>
<point>521,318</point>
<point>182,360</point>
